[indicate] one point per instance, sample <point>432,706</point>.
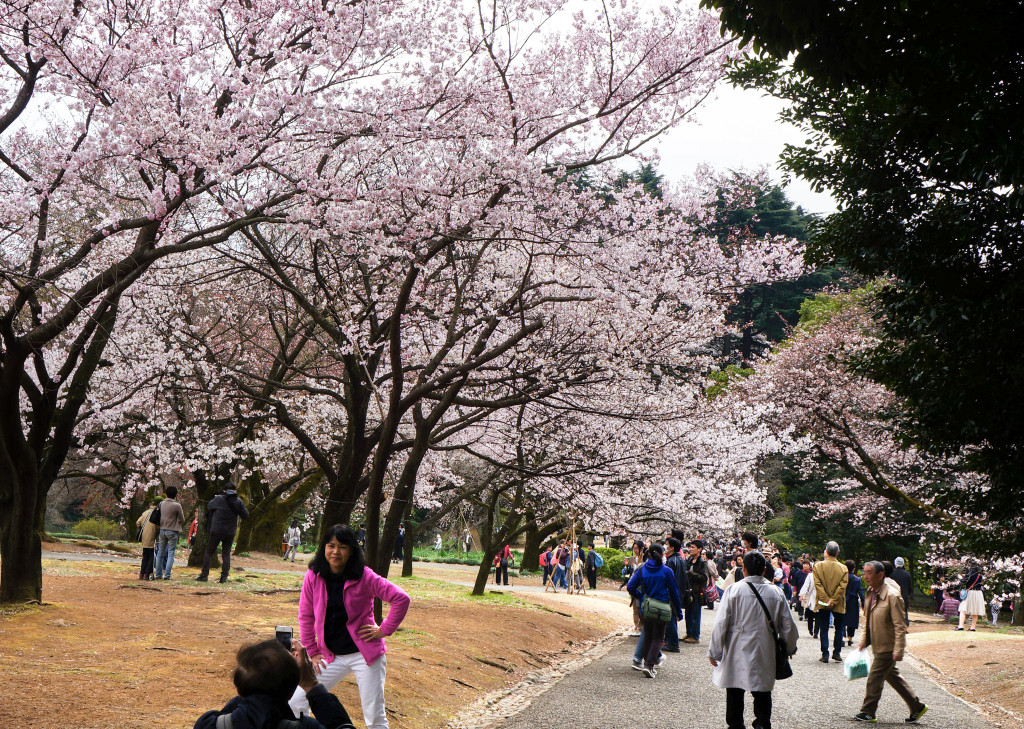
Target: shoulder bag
<point>782,667</point>
<point>657,610</point>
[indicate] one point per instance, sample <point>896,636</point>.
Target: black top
<point>336,636</point>
<point>972,580</point>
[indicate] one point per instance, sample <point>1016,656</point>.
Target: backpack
<point>598,560</point>
<point>543,559</point>
<point>154,518</point>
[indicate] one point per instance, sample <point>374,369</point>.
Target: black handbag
<point>782,667</point>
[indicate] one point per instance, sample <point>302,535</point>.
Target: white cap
<point>899,562</point>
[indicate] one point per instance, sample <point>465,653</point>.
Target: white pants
<point>369,679</point>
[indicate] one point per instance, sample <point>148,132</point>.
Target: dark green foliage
<point>770,310</point>
<point>614,559</point>
<point>912,112</point>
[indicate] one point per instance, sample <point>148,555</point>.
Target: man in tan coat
<point>886,633</point>
<point>830,578</point>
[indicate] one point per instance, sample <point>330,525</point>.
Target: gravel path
<point>609,694</point>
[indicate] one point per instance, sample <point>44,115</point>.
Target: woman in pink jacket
<point>336,625</point>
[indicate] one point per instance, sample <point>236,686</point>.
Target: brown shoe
<point>690,640</point>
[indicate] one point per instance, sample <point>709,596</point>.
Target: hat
<point>899,562</point>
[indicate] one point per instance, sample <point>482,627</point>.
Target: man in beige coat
<point>886,633</point>
<point>830,578</point>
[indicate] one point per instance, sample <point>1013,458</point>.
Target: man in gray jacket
<point>221,524</point>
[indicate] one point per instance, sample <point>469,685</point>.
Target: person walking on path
<point>148,541</point>
<point>675,562</point>
<point>830,580</point>
<point>699,576</point>
<point>336,625</point>
<point>902,578</point>
<point>854,602</point>
<point>886,632</point>
<point>222,514</point>
<point>974,602</point>
<point>172,521</point>
<point>654,581</point>
<point>293,539</point>
<point>742,645</point>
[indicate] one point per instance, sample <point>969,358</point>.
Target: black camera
<point>283,634</point>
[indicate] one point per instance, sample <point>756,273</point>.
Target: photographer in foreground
<point>266,677</point>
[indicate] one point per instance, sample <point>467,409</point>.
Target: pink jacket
<point>359,606</point>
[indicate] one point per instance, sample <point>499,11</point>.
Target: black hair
<point>751,539</point>
<point>851,566</point>
<point>888,567</point>
<point>266,668</point>
<point>679,534</point>
<point>674,543</point>
<point>655,552</point>
<point>344,534</point>
<point>171,491</point>
<point>295,522</point>
<point>754,563</point>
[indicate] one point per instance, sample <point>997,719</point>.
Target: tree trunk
<point>268,519</point>
<point>1018,608</point>
<point>21,552</point>
<point>484,572</point>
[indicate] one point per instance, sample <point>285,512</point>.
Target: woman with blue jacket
<point>656,581</point>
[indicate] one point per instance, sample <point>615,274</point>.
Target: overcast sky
<point>737,129</point>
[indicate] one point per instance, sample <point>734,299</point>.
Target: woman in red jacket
<point>336,625</point>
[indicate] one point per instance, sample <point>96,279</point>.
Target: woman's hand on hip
<point>371,632</point>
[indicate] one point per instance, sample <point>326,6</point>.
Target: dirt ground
<point>985,668</point>
<point>108,651</point>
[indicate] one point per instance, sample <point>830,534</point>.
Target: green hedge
<point>614,559</point>
<point>69,535</point>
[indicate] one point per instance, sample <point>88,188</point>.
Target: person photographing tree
<point>222,514</point>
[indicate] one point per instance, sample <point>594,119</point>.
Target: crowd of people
<point>763,594</point>
<point>758,594</point>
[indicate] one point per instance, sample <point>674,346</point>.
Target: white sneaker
<point>660,662</point>
<point>650,672</point>
<point>638,666</point>
<point>634,635</point>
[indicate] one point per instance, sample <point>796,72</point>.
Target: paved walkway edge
<point>493,709</point>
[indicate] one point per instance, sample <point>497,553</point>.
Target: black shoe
<point>670,649</point>
<point>222,580</point>
<point>866,717</point>
<point>837,658</point>
<point>824,658</point>
<point>201,578</point>
<point>912,719</point>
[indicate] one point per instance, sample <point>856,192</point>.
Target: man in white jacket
<point>742,647</point>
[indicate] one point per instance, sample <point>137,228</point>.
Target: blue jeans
<point>693,620</point>
<point>166,546</point>
<point>672,634</point>
<point>559,579</point>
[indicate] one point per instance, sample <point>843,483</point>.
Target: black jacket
<point>222,513</point>
<point>261,711</point>
<point>902,578</point>
<point>678,565</point>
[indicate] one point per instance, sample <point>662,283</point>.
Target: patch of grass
<point>118,548</point>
